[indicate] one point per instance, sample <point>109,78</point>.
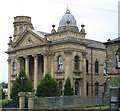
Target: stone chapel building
<point>63,53</point>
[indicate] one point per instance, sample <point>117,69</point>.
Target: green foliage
<point>47,87</point>
<point>18,87</point>
<point>115,82</point>
<point>68,90</point>
<point>4,85</point>
<point>2,94</point>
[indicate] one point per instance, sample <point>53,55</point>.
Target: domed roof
<point>67,17</point>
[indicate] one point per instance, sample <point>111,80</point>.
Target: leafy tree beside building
<point>2,94</point>
<point>21,84</point>
<point>68,89</point>
<point>115,82</point>
<point>47,87</point>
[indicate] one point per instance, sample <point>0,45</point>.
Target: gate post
<point>21,100</point>
<point>31,100</point>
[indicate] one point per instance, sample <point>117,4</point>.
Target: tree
<point>20,85</point>
<point>2,94</point>
<point>115,82</point>
<point>4,85</point>
<point>68,90</point>
<point>47,87</point>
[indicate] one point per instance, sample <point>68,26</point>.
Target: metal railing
<point>69,102</point>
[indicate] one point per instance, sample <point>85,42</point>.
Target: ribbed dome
<point>67,17</point>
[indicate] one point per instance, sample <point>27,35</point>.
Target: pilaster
<point>68,63</point>
<point>84,74</point>
<point>52,63</point>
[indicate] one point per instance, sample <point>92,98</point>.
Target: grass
<point>5,100</point>
<point>97,107</point>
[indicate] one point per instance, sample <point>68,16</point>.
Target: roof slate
<point>95,44</point>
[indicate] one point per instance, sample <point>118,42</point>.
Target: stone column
<point>9,77</point>
<point>21,100</point>
<point>68,62</point>
<point>35,71</point>
<point>27,65</point>
<point>18,66</point>
<point>30,100</point>
<point>45,63</point>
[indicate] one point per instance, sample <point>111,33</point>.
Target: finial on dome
<point>67,11</point>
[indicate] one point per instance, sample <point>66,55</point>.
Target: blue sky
<point>99,16</point>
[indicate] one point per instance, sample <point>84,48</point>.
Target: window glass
<point>96,88</point>
<point>96,67</point>
<point>105,68</point>
<point>87,88</point>
<point>60,63</point>
<point>76,59</point>
<point>76,88</point>
<point>86,67</point>
<point>61,87</point>
<point>118,58</point>
<point>14,68</point>
<point>105,87</point>
<point>21,30</point>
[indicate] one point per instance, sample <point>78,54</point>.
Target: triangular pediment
<point>30,37</point>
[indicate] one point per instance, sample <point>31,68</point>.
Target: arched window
<point>96,88</point>
<point>76,59</point>
<point>61,87</point>
<point>60,63</point>
<point>14,68</point>
<point>96,67</point>
<point>21,30</point>
<point>76,88</point>
<point>105,87</point>
<point>105,68</point>
<point>86,66</point>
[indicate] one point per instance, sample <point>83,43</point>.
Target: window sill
<point>96,74</point>
<point>77,72</point>
<point>104,74</point>
<point>59,72</point>
<point>14,74</point>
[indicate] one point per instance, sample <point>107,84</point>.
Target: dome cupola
<point>67,17</point>
<point>67,22</point>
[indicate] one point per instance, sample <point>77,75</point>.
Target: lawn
<point>97,107</point>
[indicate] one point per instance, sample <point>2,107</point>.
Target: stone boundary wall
<point>57,110</point>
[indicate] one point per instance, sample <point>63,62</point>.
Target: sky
<point>100,18</point>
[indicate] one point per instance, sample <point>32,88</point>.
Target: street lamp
<point>22,78</point>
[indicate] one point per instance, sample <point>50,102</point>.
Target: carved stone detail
<point>68,52</point>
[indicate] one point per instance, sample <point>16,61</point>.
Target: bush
<point>2,94</point>
<point>18,87</point>
<point>47,87</point>
<point>68,90</point>
<point>115,82</point>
